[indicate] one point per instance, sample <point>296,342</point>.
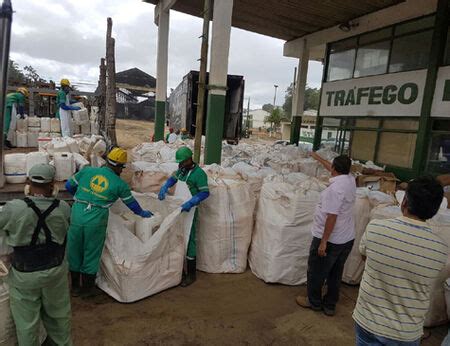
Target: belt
<point>89,205</point>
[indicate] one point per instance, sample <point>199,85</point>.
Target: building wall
<point>258,116</point>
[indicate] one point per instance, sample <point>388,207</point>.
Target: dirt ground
<point>219,309</point>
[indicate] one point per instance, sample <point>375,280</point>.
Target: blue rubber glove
<point>135,208</point>
<point>194,201</point>
<point>72,189</point>
<point>146,214</point>
<point>165,188</point>
<point>21,110</point>
<point>69,108</point>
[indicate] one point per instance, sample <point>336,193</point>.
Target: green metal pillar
<point>295,129</point>
<point>220,47</point>
<point>438,42</point>
<point>318,133</point>
<point>160,119</point>
<point>214,128</point>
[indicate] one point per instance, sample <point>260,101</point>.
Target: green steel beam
<point>214,128</point>
<point>160,119</point>
<point>318,132</point>
<point>436,53</point>
<point>295,129</point>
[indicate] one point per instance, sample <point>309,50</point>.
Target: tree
<point>15,75</point>
<point>275,118</point>
<point>32,76</point>
<point>268,107</point>
<point>312,96</point>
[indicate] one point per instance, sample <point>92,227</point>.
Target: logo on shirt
<point>99,183</point>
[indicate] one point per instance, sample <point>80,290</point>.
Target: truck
<point>182,110</point>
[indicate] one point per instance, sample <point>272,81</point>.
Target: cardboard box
<point>379,181</point>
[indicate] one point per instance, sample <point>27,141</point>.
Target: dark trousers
<point>329,269</point>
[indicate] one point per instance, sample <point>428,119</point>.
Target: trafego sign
<point>395,94</point>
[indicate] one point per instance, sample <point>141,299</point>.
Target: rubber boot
<point>88,288</point>
<point>76,286</point>
<point>191,274</point>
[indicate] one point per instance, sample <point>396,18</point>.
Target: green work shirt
<point>100,186</point>
<point>15,98</point>
<point>167,137</point>
<point>61,97</point>
<point>196,179</point>
<point>18,221</point>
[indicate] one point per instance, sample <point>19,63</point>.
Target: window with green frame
<point>401,47</point>
<point>385,141</point>
<point>439,150</point>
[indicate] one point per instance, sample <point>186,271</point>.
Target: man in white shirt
<point>333,235</point>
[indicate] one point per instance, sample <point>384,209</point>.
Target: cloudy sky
<point>66,38</point>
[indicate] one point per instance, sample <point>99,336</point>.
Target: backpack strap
<point>41,224</point>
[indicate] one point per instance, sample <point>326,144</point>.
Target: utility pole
<point>101,98</point>
<point>110,86</point>
<point>248,117</point>
<point>202,81</point>
<point>275,96</point>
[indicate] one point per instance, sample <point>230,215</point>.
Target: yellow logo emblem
<point>99,183</point>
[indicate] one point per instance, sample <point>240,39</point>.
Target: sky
<point>66,39</point>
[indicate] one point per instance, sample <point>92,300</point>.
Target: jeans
<point>366,338</point>
<point>329,269</point>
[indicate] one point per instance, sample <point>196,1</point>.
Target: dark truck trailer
<point>183,106</point>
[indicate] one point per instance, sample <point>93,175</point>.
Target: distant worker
<point>171,137</point>
<point>95,190</point>
<point>15,104</point>
<point>36,228</point>
<point>333,236</point>
<point>189,176</point>
<point>403,258</point>
<point>184,134</point>
<point>63,104</point>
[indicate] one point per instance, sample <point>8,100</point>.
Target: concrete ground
<point>219,309</point>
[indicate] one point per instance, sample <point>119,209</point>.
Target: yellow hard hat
<point>183,129</point>
<point>65,82</point>
<point>117,157</point>
<point>23,91</point>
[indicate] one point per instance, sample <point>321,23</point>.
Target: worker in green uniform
<point>95,190</point>
<point>184,134</point>
<point>195,178</point>
<point>36,229</point>
<point>15,104</point>
<point>64,108</point>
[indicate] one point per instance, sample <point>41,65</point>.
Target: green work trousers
<point>50,304</point>
<point>192,244</point>
<point>86,238</point>
<point>7,122</point>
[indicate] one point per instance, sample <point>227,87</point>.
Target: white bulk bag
<point>32,139</point>
<point>16,168</point>
<point>34,122</point>
<point>224,226</point>
<point>85,128</point>
<point>437,314</point>
<point>22,125</point>
<point>80,161</point>
<point>21,139</point>
<point>282,235</point>
<point>73,145</point>
<point>354,266</point>
<point>55,125</point>
<point>36,158</point>
<point>149,177</point>
<point>46,125</point>
<point>130,269</point>
<point>65,166</point>
<point>95,130</point>
<point>81,116</point>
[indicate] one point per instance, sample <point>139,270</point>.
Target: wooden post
<point>110,118</point>
<point>202,82</point>
<point>102,97</point>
